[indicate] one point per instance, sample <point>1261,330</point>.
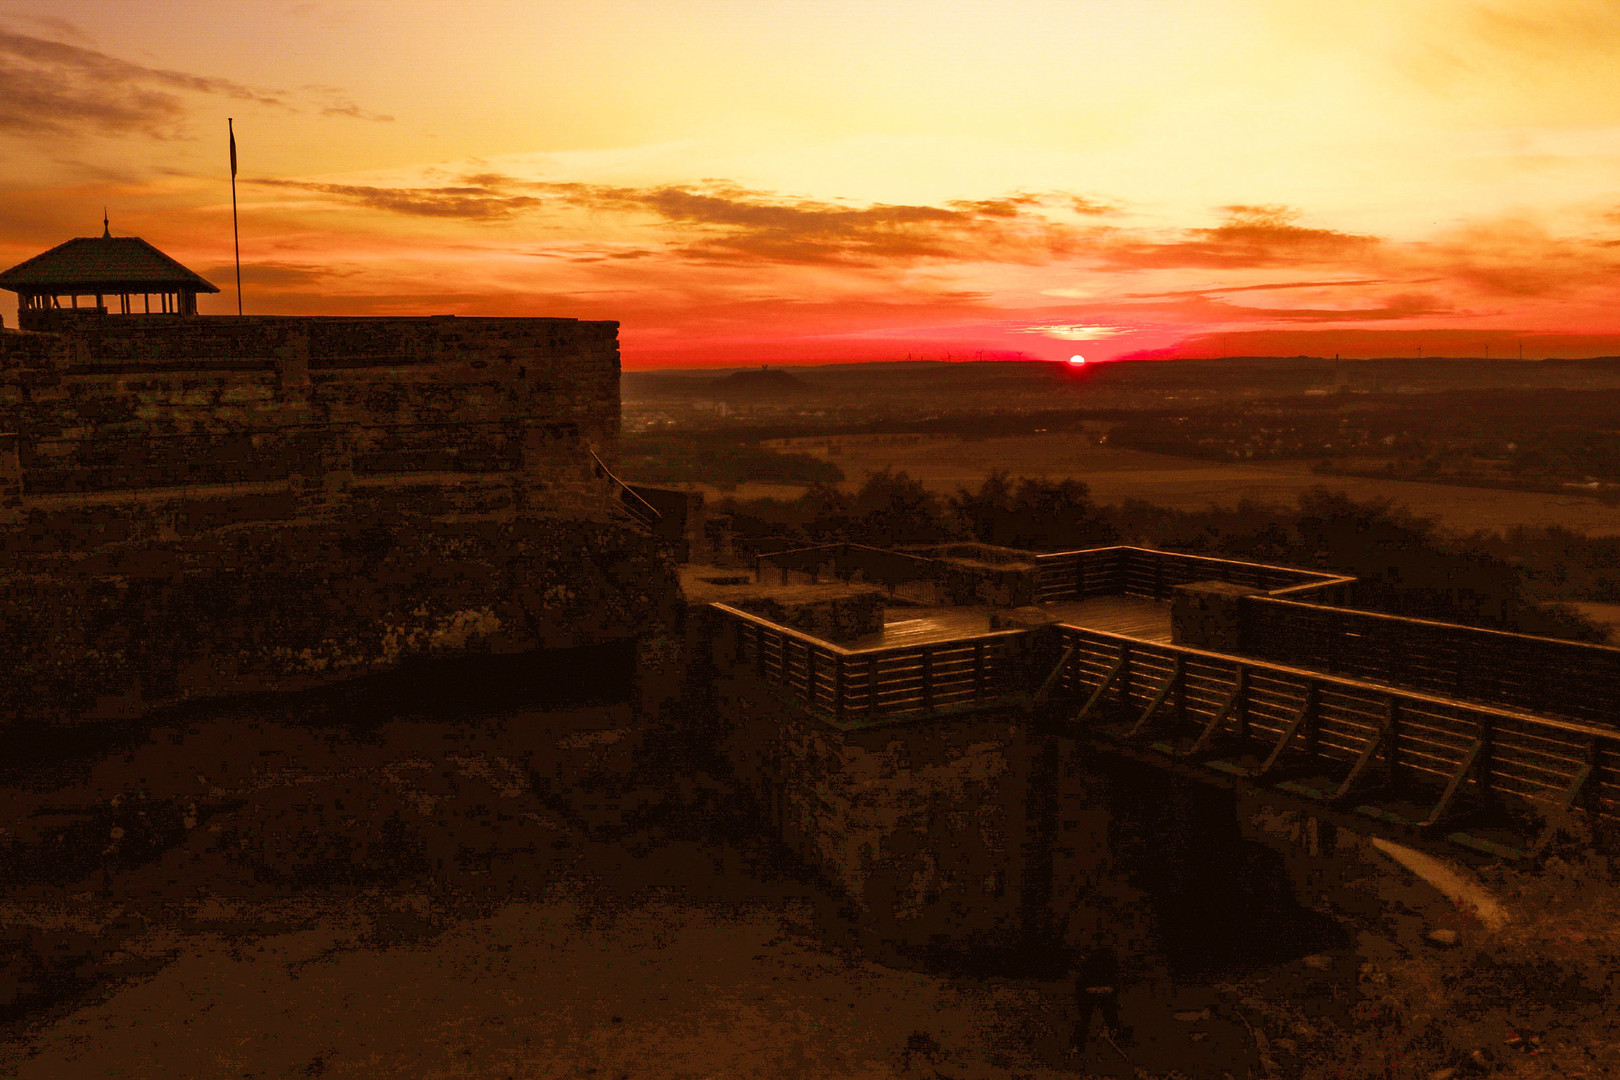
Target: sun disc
<point>1077,360</point>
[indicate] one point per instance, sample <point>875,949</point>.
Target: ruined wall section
<point>924,827</point>
<point>192,507</point>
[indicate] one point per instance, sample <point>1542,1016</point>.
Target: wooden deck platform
<point>1141,618</point>
<point>903,626</point>
<point>1134,616</point>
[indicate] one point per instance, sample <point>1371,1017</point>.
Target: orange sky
<point>743,182</point>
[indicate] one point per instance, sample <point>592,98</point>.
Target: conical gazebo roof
<point>103,264</point>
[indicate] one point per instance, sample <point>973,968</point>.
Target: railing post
<point>759,650</point>
<point>871,685</point>
<point>978,672</point>
<point>1392,745</point>
<point>1313,718</point>
<point>838,686</point>
<point>810,674</point>
<point>928,679</point>
<point>1482,767</point>
<point>1124,676</point>
<point>1158,577</point>
<point>1181,691</point>
<point>1594,760</point>
<point>1242,703</point>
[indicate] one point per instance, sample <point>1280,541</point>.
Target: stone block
<point>1209,615</point>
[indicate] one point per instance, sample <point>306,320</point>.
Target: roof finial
<point>106,230</point>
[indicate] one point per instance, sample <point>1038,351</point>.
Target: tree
<point>1037,514</point>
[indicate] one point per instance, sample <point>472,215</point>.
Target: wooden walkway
<point>1501,782</point>
<point>1396,761</point>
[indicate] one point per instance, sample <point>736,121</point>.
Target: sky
<point>741,182</point>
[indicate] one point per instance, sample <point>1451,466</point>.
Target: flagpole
<point>236,234</point>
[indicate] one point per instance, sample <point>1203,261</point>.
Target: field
<point>945,463</point>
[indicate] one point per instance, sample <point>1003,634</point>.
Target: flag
<point>233,146</point>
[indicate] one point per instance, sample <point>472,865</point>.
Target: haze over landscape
<point>747,182</point>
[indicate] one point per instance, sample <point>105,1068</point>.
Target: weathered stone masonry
<point>196,506</point>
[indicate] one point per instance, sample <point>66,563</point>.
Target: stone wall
<point>317,404</point>
<point>922,826</point>
<point>199,506</point>
<point>111,632</point>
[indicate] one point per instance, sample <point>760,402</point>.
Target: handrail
<point>634,505</point>
<point>881,684</point>
<point>1381,689</point>
<point>1315,578</point>
<point>867,653</point>
<point>1543,766</point>
<point>1409,620</point>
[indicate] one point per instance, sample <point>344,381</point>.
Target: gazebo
<point>105,267</point>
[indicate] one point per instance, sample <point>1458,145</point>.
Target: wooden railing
<point>1542,675</point>
<point>1059,576</point>
<point>879,566</point>
<point>1135,571</point>
<point>864,686</point>
<point>1380,748</point>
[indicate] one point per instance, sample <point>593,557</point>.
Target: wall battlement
<point>316,404</point>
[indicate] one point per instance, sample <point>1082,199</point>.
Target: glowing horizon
<point>741,182</point>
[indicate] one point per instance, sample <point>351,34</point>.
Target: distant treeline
<point>717,459</point>
<point>1523,434</point>
<point>1404,566</point>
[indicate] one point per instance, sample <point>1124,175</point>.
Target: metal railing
<point>622,497</point>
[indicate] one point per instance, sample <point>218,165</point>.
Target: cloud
<point>50,87</point>
<point>722,222</point>
<point>272,274</point>
<point>332,101</point>
<point>1070,332</point>
<point>474,202</point>
<point>54,88</point>
<point>1251,236</point>
<point>1353,343</point>
<point>719,222</point>
<point>1515,257</point>
<point>1216,290</point>
<point>1401,306</point>
<point>593,253</point>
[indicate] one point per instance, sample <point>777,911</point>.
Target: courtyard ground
<point>290,889</point>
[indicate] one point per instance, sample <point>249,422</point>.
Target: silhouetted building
<point>104,268</point>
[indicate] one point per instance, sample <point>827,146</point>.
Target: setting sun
<point>754,182</point>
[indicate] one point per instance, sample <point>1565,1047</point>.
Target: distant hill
<point>762,384</point>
